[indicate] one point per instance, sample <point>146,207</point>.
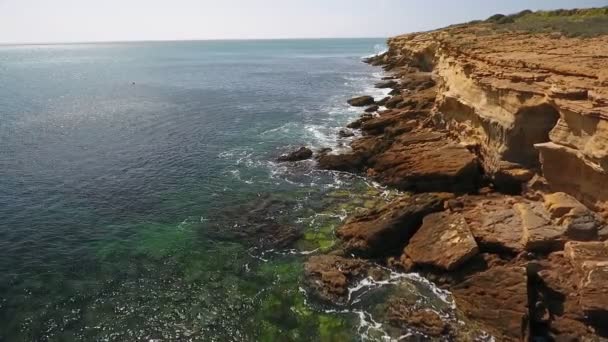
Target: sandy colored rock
<point>581,223</point>
<point>498,300</point>
<point>525,99</point>
<point>385,230</point>
<point>539,232</point>
<point>443,241</point>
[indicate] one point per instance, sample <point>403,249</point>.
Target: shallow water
<point>131,175</point>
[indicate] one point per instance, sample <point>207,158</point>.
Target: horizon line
<point>175,40</point>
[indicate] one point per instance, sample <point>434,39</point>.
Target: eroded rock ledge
<point>501,140</point>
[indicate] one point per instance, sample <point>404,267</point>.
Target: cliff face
<point>525,103</point>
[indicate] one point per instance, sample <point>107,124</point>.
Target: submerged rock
<point>330,276</point>
<point>372,109</point>
<point>361,101</point>
<point>408,314</point>
<point>302,153</point>
<point>385,230</point>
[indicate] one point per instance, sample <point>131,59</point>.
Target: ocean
<point>141,200</point>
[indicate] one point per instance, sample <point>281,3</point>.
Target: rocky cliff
<point>498,136</point>
<point>524,101</point>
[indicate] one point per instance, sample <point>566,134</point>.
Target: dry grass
<point>589,22</point>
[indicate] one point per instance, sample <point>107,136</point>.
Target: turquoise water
<point>140,200</point>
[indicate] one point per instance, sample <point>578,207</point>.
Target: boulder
<point>357,123</point>
<point>497,299</point>
<point>361,101</point>
<point>539,234</point>
<point>302,153</point>
<point>348,162</point>
<point>385,230</point>
<point>345,133</point>
<point>387,84</point>
<point>426,161</point>
<point>573,287</point>
<point>393,101</point>
<point>330,276</point>
<point>383,101</point>
<point>372,109</point>
<point>494,223</point>
<point>443,241</point>
<point>581,224</point>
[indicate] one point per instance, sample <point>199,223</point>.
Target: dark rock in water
<point>350,162</point>
<point>361,101</point>
<point>357,123</point>
<point>383,101</point>
<point>387,84</point>
<point>324,150</point>
<point>383,231</point>
<point>372,109</point>
<point>395,92</point>
<point>302,153</point>
<point>376,59</point>
<point>409,314</point>
<point>255,224</point>
<point>345,133</point>
<point>330,276</point>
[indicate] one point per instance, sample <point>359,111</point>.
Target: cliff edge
<point>524,100</point>
<point>497,132</point>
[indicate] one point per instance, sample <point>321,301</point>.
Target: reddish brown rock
<point>351,162</point>
<point>330,276</point>
<point>561,291</point>
<point>539,233</point>
<point>443,241</point>
<point>427,161</point>
<point>494,223</point>
<point>393,118</point>
<point>385,230</point>
<point>590,261</point>
<point>372,109</point>
<point>498,300</point>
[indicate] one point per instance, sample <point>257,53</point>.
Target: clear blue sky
<point>110,20</point>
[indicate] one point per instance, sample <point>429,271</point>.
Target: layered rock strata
<point>501,137</point>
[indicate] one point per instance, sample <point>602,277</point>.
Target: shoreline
<point>510,249</point>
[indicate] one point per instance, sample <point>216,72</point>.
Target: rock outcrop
<point>361,101</point>
<point>302,153</point>
<point>381,231</point>
<point>444,241</point>
<point>528,100</point>
<point>502,137</point>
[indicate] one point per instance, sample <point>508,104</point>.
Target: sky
<point>38,21</point>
